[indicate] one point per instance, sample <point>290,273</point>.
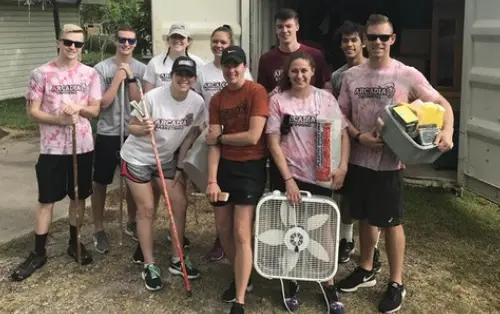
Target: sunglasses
<point>286,125</point>
<point>382,37</point>
<point>123,40</point>
<point>69,43</point>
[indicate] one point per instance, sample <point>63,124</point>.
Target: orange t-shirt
<point>232,110</point>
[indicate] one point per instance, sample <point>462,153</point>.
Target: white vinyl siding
<point>27,42</point>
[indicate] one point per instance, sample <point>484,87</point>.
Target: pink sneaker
<point>217,252</point>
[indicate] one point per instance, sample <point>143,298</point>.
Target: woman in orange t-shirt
<point>237,165</point>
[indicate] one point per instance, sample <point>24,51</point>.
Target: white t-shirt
<point>158,72</point>
<point>211,80</point>
<point>173,120</point>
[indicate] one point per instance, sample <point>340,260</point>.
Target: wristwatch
<point>131,80</point>
<point>219,139</point>
<point>356,138</point>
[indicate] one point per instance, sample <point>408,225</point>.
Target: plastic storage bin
<point>407,150</point>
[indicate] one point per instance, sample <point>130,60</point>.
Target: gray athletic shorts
<point>144,174</point>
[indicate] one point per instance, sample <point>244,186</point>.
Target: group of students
<point>248,124</point>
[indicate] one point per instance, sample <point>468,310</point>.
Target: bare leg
<point>98,200</point>
<point>368,235</point>
<point>178,200</point>
<point>73,207</point>
<point>131,206</point>
<point>395,246</point>
<point>224,223</point>
<point>243,220</point>
<point>43,218</point>
<point>142,193</point>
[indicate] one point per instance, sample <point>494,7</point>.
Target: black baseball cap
<point>184,64</point>
<point>233,55</point>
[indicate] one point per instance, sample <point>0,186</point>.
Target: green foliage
<point>98,43</point>
<point>13,115</point>
<point>94,57</point>
<point>136,13</point>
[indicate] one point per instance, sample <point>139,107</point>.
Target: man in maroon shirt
<point>270,63</point>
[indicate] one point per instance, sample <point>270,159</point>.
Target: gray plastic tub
<point>407,150</point>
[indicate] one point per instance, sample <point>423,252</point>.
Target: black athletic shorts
<point>106,158</point>
<point>245,181</point>
<point>376,196</point>
<point>54,175</point>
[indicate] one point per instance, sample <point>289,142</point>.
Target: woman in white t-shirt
<point>210,81</point>
<point>291,138</point>
<point>174,110</point>
<point>159,67</point>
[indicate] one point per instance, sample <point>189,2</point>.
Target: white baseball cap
<point>179,29</point>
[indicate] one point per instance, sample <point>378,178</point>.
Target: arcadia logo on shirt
<point>174,124</point>
<point>214,86</point>
<point>69,89</point>
<point>303,121</point>
<point>231,113</point>
<point>385,91</point>
<point>277,74</point>
<point>165,77</point>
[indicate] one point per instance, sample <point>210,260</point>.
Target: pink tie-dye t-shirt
<point>55,87</point>
<point>299,146</point>
<point>364,94</point>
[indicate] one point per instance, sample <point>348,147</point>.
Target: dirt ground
<point>451,267</point>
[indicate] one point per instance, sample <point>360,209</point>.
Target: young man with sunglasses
<point>62,94</point>
<point>375,183</point>
<point>121,68</point>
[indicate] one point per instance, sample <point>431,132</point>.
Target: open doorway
<point>429,38</point>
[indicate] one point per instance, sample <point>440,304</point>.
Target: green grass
<point>13,115</point>
<point>451,266</point>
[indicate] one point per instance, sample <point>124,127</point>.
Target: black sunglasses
<point>286,125</point>
<point>383,37</point>
<point>69,43</point>
<point>123,40</point>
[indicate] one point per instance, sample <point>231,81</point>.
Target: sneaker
<point>237,308</point>
<point>152,277</point>
<point>131,230</point>
<point>217,252</point>
<point>138,258</point>
<point>336,307</point>
<point>291,301</point>
<point>176,269</point>
<point>101,242</point>
<point>229,295</point>
<point>187,243</point>
<point>29,266</point>
<point>377,265</point>
<point>359,278</point>
<point>85,256</point>
<point>345,250</point>
<point>393,298</point>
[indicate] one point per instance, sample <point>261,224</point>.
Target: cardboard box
<point>415,42</point>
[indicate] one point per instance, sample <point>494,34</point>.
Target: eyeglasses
<point>69,43</point>
<point>286,125</point>
<point>123,40</point>
<point>382,37</point>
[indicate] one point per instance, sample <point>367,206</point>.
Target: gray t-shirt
<point>109,118</point>
<point>337,77</point>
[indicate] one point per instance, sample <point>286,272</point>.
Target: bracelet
<point>212,182</point>
<point>291,178</point>
<point>179,168</point>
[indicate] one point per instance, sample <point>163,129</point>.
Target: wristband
<point>131,80</point>
<point>356,138</point>
<point>212,182</point>
<point>291,178</point>
<point>179,168</point>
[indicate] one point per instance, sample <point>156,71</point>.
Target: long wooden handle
<point>77,199</point>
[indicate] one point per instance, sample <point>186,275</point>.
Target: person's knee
<point>45,208</point>
<point>146,211</point>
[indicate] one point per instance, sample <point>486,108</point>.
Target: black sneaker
<point>336,307</point>
<point>187,243</point>
<point>29,266</point>
<point>345,250</point>
<point>152,277</point>
<point>393,298</point>
<point>237,308</point>
<point>176,269</point>
<point>291,301</point>
<point>138,258</point>
<point>229,295</point>
<point>359,278</point>
<point>377,265</point>
<point>131,230</point>
<point>85,256</point>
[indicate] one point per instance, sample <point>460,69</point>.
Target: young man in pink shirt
<point>375,183</point>
<point>62,94</point>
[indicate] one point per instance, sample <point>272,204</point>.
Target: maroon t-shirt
<point>271,63</point>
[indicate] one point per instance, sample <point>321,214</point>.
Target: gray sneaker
<point>131,230</point>
<point>101,242</point>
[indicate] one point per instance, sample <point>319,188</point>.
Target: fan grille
<point>297,242</point>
